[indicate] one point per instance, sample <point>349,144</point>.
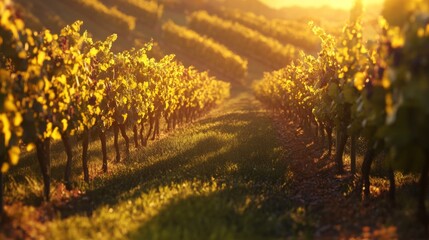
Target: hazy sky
<point>344,4</point>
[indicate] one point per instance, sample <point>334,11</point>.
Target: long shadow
<point>222,124</point>
<point>126,180</point>
<point>259,174</point>
<point>214,216</point>
<point>237,148</point>
<point>29,161</point>
<point>256,166</point>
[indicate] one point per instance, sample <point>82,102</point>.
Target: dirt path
<point>334,209</point>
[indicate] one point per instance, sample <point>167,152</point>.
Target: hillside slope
<point>55,15</point>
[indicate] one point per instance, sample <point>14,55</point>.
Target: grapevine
<point>56,86</point>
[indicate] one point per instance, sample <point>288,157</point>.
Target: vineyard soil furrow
<point>331,208</point>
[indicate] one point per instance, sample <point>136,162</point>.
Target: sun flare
<point>315,3</point>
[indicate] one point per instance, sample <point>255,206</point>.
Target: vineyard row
<point>238,37</point>
<point>377,92</point>
<point>55,86</point>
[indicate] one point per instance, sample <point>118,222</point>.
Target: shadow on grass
<point>233,147</point>
<point>236,149</point>
<point>220,215</point>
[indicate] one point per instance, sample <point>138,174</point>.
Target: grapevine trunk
<point>43,148</point>
<point>67,175</point>
<point>85,144</point>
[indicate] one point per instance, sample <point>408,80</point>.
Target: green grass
<point>220,178</point>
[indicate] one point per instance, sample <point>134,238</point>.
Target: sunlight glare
<point>347,4</point>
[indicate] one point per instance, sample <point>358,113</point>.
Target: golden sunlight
<point>343,4</point>
<point>214,119</point>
